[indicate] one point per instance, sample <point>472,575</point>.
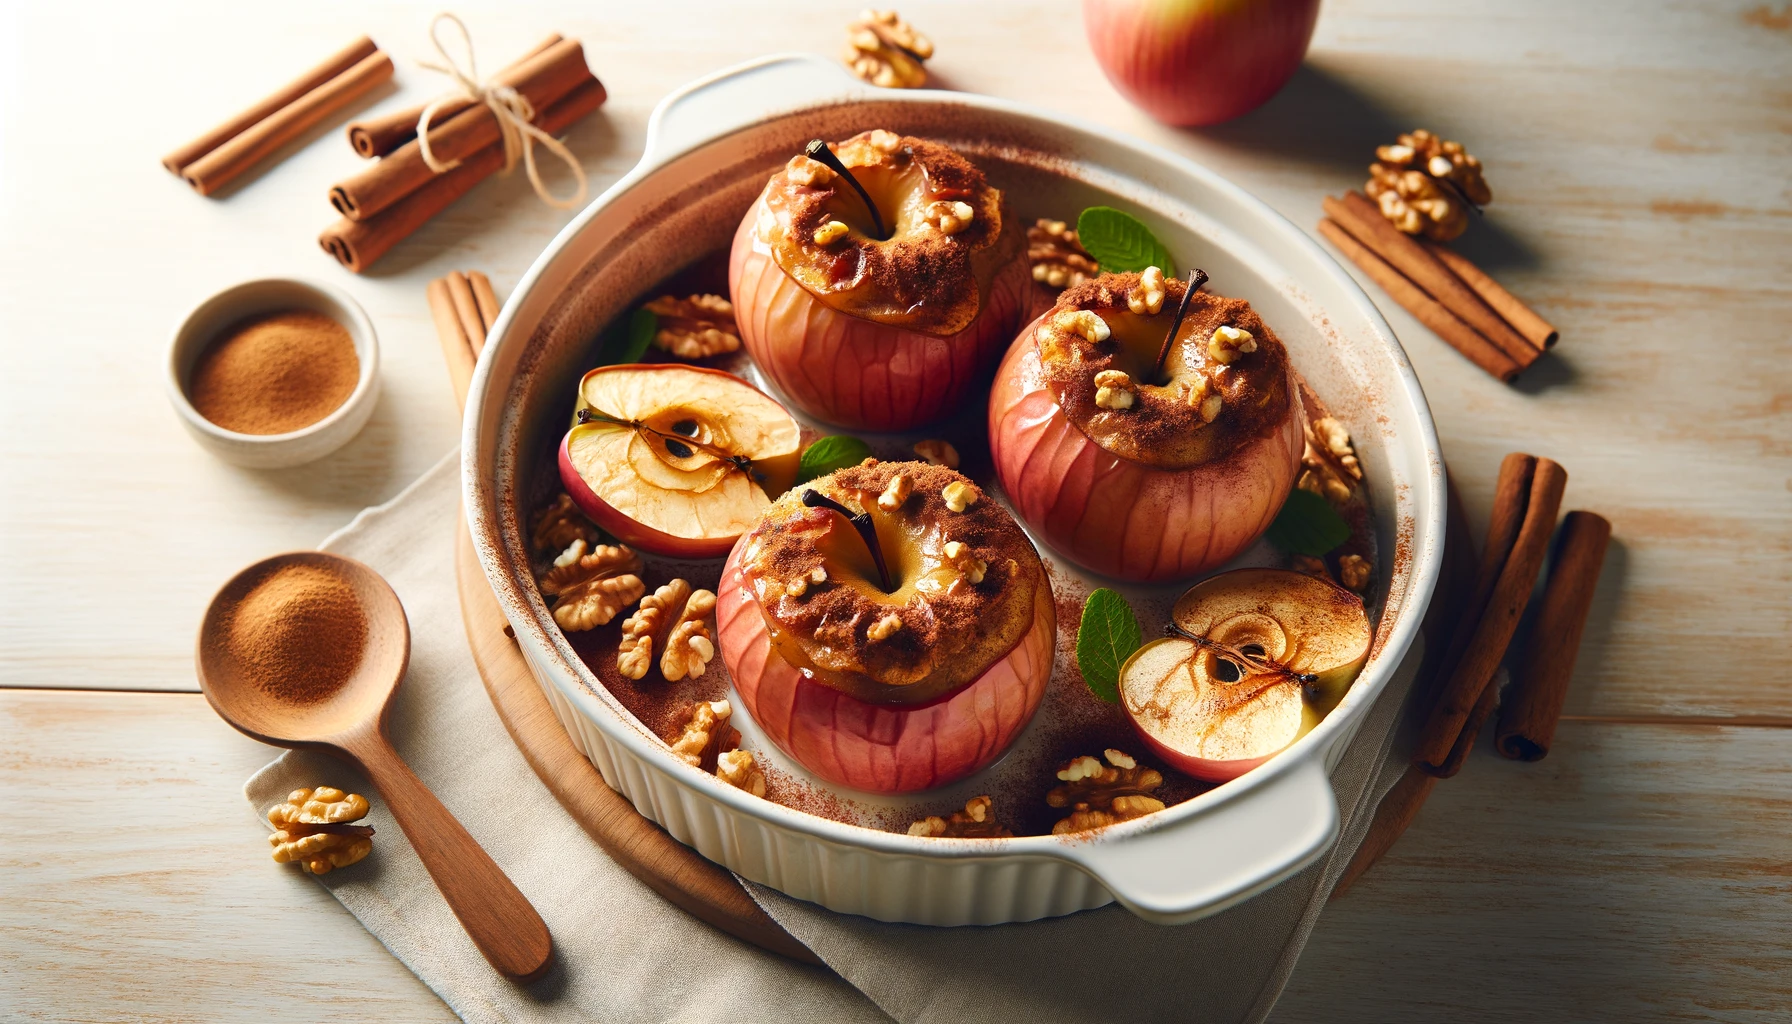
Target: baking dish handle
<point>744,95</point>
<point>1205,863</point>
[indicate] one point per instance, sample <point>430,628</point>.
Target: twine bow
<point>513,111</point>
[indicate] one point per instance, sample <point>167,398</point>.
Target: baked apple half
<point>877,280</point>
<point>677,460</point>
<point>889,627</point>
<point>1146,437</point>
<point>1257,657</point>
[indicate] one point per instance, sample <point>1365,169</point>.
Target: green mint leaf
<point>1307,525</point>
<point>836,451</point>
<point>1121,242</point>
<point>1106,637</point>
<point>626,342</point>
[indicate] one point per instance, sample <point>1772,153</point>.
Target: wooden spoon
<point>351,722</point>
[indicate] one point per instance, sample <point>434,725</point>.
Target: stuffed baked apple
<point>875,281</point>
<point>1145,436</point>
<point>887,626</point>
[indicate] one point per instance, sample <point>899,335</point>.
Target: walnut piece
<point>1424,185</point>
<point>1329,466</point>
<point>1201,396</point>
<point>1312,566</point>
<point>886,51</point>
<point>696,327</point>
<point>706,734</point>
<point>1148,297</point>
<point>555,527</point>
<point>1441,159</point>
<point>1229,343</point>
<point>896,493</point>
<point>948,217</point>
<point>960,495</point>
<point>963,559</point>
<point>829,232</point>
<point>673,620</point>
<point>1085,324</point>
<point>884,628</point>
<point>976,821</point>
<point>1058,259</point>
<point>1113,390</point>
<point>592,586</point>
<point>312,828</point>
<point>1353,572</point>
<point>1102,794</point>
<point>937,453</point>
<point>801,170</point>
<point>736,768</point>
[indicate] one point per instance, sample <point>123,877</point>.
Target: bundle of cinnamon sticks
<point>399,192</point>
<point>1440,287</point>
<point>235,147</point>
<point>1470,626</point>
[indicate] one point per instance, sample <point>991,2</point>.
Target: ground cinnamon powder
<point>275,373</point>
<point>301,631</point>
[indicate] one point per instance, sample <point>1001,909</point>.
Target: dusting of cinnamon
<point>300,631</point>
<point>275,373</point>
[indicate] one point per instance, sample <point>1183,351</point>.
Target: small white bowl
<point>202,325</point>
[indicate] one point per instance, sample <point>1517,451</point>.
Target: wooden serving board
<point>699,886</point>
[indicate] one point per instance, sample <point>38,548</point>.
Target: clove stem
<point>818,150</point>
<point>1249,664</point>
<point>862,523</point>
<point>1195,281</point>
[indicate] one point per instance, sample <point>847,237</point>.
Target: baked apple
<point>1142,436</point>
<point>875,282</point>
<point>677,460</point>
<point>887,626</point>
<point>1257,657</point>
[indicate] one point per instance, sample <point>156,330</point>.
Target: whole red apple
<point>1199,62</point>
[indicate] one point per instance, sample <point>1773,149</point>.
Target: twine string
<point>514,114</point>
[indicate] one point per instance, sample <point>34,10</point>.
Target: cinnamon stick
<point>487,300</point>
<point>1540,684</point>
<point>357,245</point>
<point>383,133</point>
<point>338,62</point>
<point>1363,219</point>
<point>456,351</point>
<point>1427,310</point>
<point>542,80</point>
<point>1511,308</point>
<point>1464,702</point>
<point>467,308</point>
<point>233,158</point>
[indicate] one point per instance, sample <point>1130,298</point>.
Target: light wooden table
<point>1640,155</point>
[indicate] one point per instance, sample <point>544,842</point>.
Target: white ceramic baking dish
<point>709,149</point>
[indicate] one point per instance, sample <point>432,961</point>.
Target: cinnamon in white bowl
<point>275,373</point>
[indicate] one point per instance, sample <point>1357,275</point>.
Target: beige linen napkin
<point>623,954</point>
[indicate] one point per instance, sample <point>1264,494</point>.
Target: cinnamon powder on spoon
<point>302,631</point>
<point>276,373</point>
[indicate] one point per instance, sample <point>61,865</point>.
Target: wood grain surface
<point>1638,156</point>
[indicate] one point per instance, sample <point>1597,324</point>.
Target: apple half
<point>676,460</point>
<point>1260,655</point>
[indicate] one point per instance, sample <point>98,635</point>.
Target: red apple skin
<point>1199,62</point>
<point>628,531</point>
<point>871,747</point>
<point>1203,768</point>
<point>857,373</point>
<point>1118,517</point>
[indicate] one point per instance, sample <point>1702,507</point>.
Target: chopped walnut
<point>801,170</point>
<point>1083,323</point>
<point>885,50</point>
<point>937,453</point>
<point>1353,572</point>
<point>736,768</point>
<point>555,527</point>
<point>1148,297</point>
<point>800,586</point>
<point>960,495</point>
<point>896,493</point>
<point>1312,567</point>
<point>962,558</point>
<point>884,628</point>
<point>312,828</point>
<point>949,217</point>
<point>1113,390</point>
<point>1058,259</point>
<point>1329,466</point>
<point>695,328</point>
<point>673,619</point>
<point>976,821</point>
<point>829,232</point>
<point>1102,794</point>
<point>1229,343</point>
<point>590,588</point>
<point>706,734</point>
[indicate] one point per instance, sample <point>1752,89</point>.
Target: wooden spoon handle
<point>496,915</point>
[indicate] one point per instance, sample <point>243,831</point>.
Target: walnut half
<point>696,327</point>
<point>312,828</point>
<point>1424,185</point>
<point>1058,258</point>
<point>592,585</point>
<point>1103,794</point>
<point>885,50</point>
<point>673,620</point>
